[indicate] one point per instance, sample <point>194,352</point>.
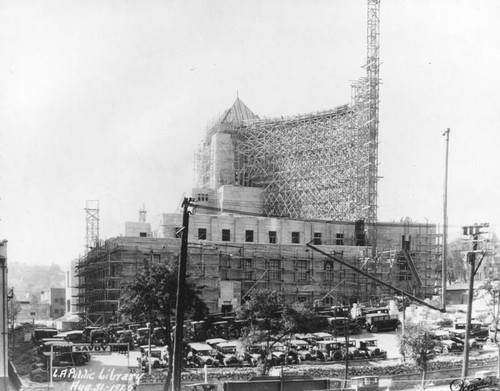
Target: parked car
<point>41,333</point>
<point>381,322</point>
<point>477,330</point>
<point>458,336</point>
<point>159,336</point>
<point>86,333</point>
<point>330,350</point>
<point>141,336</point>
<point>227,354</point>
<point>213,342</point>
<point>445,343</point>
<point>303,349</point>
<point>341,325</point>
<point>309,338</point>
<point>368,347</point>
<point>159,358</point>
<point>253,354</point>
<point>322,336</point>
<point>201,354</point>
<point>70,358</point>
<point>100,336</point>
<point>360,317</point>
<point>41,374</point>
<point>125,336</point>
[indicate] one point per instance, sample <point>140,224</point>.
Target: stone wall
<point>399,375</point>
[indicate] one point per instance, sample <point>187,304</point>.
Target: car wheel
<point>337,356</point>
<point>156,364</point>
<point>38,378</point>
<point>456,385</point>
<point>80,360</point>
<point>374,329</point>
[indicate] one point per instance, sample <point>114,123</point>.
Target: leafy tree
<point>456,269</point>
<point>271,319</point>
<point>152,297</point>
<point>489,291</point>
<point>417,344</point>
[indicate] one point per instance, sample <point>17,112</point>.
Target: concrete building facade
<point>56,298</point>
<point>231,255</point>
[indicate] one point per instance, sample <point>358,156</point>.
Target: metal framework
<point>311,166</point>
<point>92,220</point>
<point>317,166</point>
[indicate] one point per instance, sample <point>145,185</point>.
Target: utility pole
<point>474,232</point>
<point>445,224</point>
<point>181,292</point>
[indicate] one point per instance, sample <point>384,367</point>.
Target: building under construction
<point>264,189</point>
<point>230,255</point>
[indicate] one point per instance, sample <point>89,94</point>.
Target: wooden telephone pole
<point>181,293</point>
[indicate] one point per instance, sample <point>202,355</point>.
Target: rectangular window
<point>302,271</point>
<point>226,235</point>
<point>317,238</point>
<point>274,269</point>
<point>143,234</point>
<point>246,265</point>
<point>340,239</point>
<point>295,237</point>
<point>202,234</point>
<point>155,258</point>
<point>248,236</point>
<point>272,236</point>
<point>328,270</point>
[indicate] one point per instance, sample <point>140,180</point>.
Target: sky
<point>108,100</point>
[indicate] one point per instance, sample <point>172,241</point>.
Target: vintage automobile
<point>445,343</point>
<point>477,330</point>
<point>141,336</point>
<point>381,322</point>
<point>322,336</point>
<point>213,342</point>
<point>303,349</point>
<point>368,348</point>
<point>70,358</point>
<point>40,374</point>
<point>159,358</point>
<point>75,336</point>
<point>227,354</point>
<point>159,336</point>
<point>341,325</point>
<point>201,354</point>
<point>41,333</point>
<point>363,311</point>
<point>458,336</point>
<point>349,348</point>
<point>330,350</point>
<point>309,338</point>
<point>125,336</point>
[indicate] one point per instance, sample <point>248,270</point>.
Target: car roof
<point>200,346</point>
<point>228,344</point>
<point>215,340</point>
<point>322,334</point>
<point>299,342</point>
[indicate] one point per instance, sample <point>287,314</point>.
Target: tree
<point>489,291</point>
<point>417,343</point>
<point>152,297</point>
<point>271,319</point>
<point>455,262</point>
